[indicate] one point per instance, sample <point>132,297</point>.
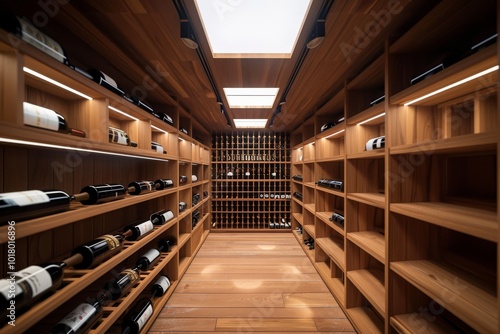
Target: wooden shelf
<point>465,143</point>
<point>468,67</point>
<point>334,250</point>
<point>479,223</point>
<point>299,217</point>
<point>470,302</point>
<point>334,284</point>
<point>370,283</point>
<point>309,229</point>
<point>377,200</point>
<point>371,242</point>
<point>325,217</point>
<point>310,207</point>
<point>365,320</point>
<point>331,191</point>
<point>408,324</point>
<point>380,153</point>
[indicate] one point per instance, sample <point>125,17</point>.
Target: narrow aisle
<point>251,282</point>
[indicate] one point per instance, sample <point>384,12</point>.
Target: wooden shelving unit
<point>34,158</point>
<point>418,250</point>
<point>250,181</point>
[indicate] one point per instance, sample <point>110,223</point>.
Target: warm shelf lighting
<point>458,83</point>
<point>253,29</point>
<point>61,147</point>
<point>157,128</point>
<point>371,119</point>
<point>334,134</point>
<point>55,83</point>
<point>123,113</point>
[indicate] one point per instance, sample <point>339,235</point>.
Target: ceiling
<point>137,43</point>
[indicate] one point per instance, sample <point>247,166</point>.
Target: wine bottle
<point>106,81</point>
<point>182,206</point>
<point>195,218</point>
<point>32,283</point>
<point>120,137</point>
<point>334,184</point>
<point>161,184</point>
<point>375,143</point>
<point>153,255</point>
<point>194,178</point>
<point>196,198</point>
<point>157,147</point>
<point>23,29</point>
<point>48,119</point>
<point>161,217</point>
<point>119,285</point>
<point>183,130</point>
<point>81,319</point>
<point>100,194</point>
<point>22,205</point>
<point>140,187</point>
<point>98,250</point>
<point>140,314</point>
<point>183,179</point>
<point>135,232</point>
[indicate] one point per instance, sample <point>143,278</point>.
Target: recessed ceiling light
<point>251,97</point>
<point>252,29</point>
<point>250,122</point>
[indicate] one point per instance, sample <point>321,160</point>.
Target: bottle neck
<point>72,261</point>
<point>80,197</point>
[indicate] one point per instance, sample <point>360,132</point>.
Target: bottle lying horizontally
<point>142,310</point>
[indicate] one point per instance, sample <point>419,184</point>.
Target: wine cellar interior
<point>122,153</point>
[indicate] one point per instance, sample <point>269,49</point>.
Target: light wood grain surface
<point>251,282</point>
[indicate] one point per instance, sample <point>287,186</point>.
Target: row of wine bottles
<point>239,155</point>
<point>34,282</point>
<point>246,206</point>
<point>262,220</point>
<point>249,172</point>
<point>250,195</point>
<point>261,186</point>
<point>86,314</point>
<point>23,205</point>
<point>23,29</point>
<point>252,140</point>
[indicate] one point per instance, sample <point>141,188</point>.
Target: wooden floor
<point>251,282</point>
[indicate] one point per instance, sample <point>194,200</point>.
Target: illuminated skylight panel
<point>250,122</point>
<point>251,97</point>
<point>252,28</point>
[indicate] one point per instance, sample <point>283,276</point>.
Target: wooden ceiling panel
<point>139,41</point>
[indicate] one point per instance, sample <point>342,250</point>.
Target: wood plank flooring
<point>251,282</point>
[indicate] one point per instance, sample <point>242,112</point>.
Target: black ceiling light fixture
<point>317,35</point>
<point>314,39</point>
<point>188,37</point>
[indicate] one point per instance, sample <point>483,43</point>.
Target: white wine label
<point>194,178</point>
<point>164,282</point>
<point>82,314</point>
<point>121,138</point>
<point>37,277</point>
<point>35,37</point>
<point>168,215</point>
<point>109,80</point>
<point>159,148</point>
<point>40,117</point>
<point>247,173</point>
<point>375,143</point>
<point>145,227</point>
<point>145,316</point>
<point>4,289</point>
<point>25,198</point>
<point>151,255</point>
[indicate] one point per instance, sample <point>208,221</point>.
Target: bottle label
<point>40,117</point>
<point>164,282</point>
<point>79,316</point>
<point>151,255</point>
<point>145,316</point>
<point>24,198</point>
<point>132,274</point>
<point>145,227</point>
<point>36,277</point>
<point>41,41</point>
<point>168,215</point>
<point>111,240</point>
